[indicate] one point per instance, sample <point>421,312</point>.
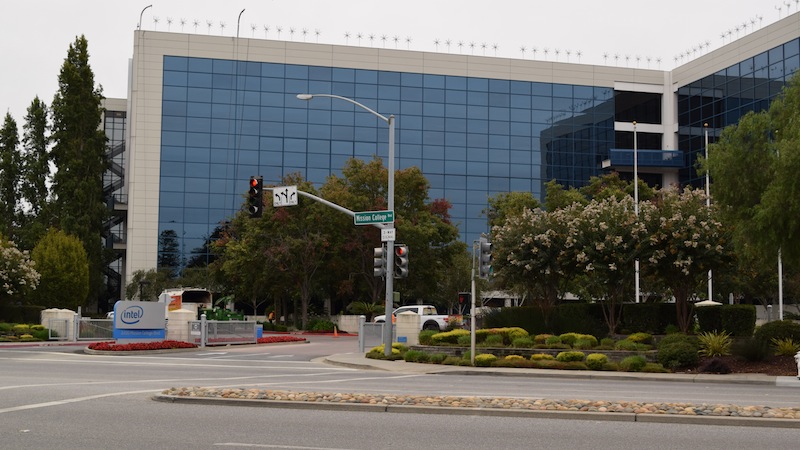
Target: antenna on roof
<point>371,39</point>
<point>534,50</point>
<point>347,37</point>
<point>436,44</point>
<point>183,22</point>
<point>408,43</point>
<point>279,29</point>
<point>169,23</point>
<point>155,21</point>
<point>210,24</point>
<point>383,38</point>
<point>605,58</point>
<point>266,30</point>
<point>460,46</point>
<point>291,33</point>
<point>359,36</point>
<point>317,33</point>
<point>579,53</point>
<point>221,27</point>
<point>196,23</point>
<point>396,39</point>
<point>253,29</point>
<point>522,49</point>
<point>305,33</point>
<point>483,46</point>
<point>447,43</point>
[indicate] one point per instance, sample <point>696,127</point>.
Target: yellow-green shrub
<point>570,356</point>
<point>641,338</point>
<point>542,357</point>
<point>448,337</point>
<point>485,359</point>
<point>541,338</point>
<point>596,361</point>
<point>569,338</point>
<point>512,357</point>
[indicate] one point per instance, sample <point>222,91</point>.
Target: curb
<point>487,412</point>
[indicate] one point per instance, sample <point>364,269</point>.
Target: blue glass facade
<point>721,99</point>
<point>223,121</point>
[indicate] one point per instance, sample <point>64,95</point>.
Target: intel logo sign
<point>132,315</point>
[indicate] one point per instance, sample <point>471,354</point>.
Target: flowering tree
<point>534,251</point>
<point>607,244</point>
<point>685,241</point>
<point>17,273</point>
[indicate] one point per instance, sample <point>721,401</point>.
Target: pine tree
<point>79,154</point>
<point>35,170</point>
<point>9,177</point>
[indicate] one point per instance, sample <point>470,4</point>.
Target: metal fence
<point>371,335</point>
<point>58,329</point>
<point>94,329</point>
<point>215,332</point>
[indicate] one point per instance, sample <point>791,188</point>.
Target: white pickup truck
<point>430,319</point>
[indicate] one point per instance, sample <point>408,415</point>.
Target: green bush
<point>739,320</point>
<point>437,358</point>
<point>751,349</point>
<point>542,357</point>
<point>678,354</point>
<point>509,334</point>
<point>654,368</point>
<point>553,340</point>
<point>633,363</point>
<point>317,324</point>
<point>641,338</point>
<point>651,318</point>
<point>785,347</point>
<point>453,361</point>
<point>448,337</point>
<point>715,343</point>
<point>596,361</point>
<point>541,338</point>
<point>512,357</point>
<point>416,356</point>
<point>607,342</point>
<point>20,329</point>
<point>679,337</point>
<point>779,329</point>
<point>41,335</point>
<point>569,338</point>
<point>570,356</point>
<point>485,359</point>
<point>425,337</point>
<point>709,318</point>
<point>630,346</point>
<point>464,340</point>
<point>585,343</point>
<point>522,342</point>
<point>493,340</point>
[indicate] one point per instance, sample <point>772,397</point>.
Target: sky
<point>35,34</point>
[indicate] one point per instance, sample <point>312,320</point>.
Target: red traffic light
<point>253,182</point>
<point>401,251</point>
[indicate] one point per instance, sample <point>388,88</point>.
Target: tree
<point>10,169</point>
<point>685,240</point>
<point>79,154</point>
<point>508,204</point>
<point>61,261</point>
<point>753,168</point>
<point>146,285</point>
<point>535,254</point>
<point>606,246</point>
<point>18,275</point>
<point>169,256</point>
<point>35,171</point>
<point>557,197</point>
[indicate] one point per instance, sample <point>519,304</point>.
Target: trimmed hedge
<point>738,320</point>
<point>21,313</point>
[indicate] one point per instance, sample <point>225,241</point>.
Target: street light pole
<point>708,205</point>
<point>387,327</point>
<point>636,201</point>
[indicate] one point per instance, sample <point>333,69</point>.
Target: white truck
<point>430,319</point>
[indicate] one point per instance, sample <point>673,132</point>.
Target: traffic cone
<point>335,332</point>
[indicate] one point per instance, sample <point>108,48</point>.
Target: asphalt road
<point>62,397</point>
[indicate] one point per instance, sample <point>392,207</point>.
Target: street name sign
<point>373,217</point>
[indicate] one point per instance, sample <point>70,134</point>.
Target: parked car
<point>430,320</point>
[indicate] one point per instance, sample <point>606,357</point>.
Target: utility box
<point>408,327</point>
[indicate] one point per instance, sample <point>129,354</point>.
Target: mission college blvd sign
<point>372,217</point>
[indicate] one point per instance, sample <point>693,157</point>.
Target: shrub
<point>715,344</point>
<point>514,333</point>
<point>641,338</point>
<point>675,338</point>
<point>751,349</point>
<point>437,358</point>
<point>553,340</point>
<point>633,363</point>
<point>485,359</point>
<point>779,329</point>
<point>317,324</point>
<point>41,335</point>
<point>464,340</point>
<point>425,337</point>
<point>607,342</point>
<point>596,361</point>
<point>413,355</point>
<point>493,340</point>
<point>542,357</point>
<point>785,347</point>
<point>20,329</point>
<point>522,342</point>
<point>678,354</point>
<point>452,361</point>
<point>569,338</point>
<point>570,356</point>
<point>584,343</point>
<point>574,365</point>
<point>541,338</point>
<point>654,368</point>
<point>715,366</point>
<point>630,346</point>
<point>448,337</point>
<point>511,357</point>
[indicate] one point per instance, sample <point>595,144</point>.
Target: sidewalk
<point>359,361</point>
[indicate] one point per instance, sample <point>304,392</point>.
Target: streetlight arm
<point>349,100</point>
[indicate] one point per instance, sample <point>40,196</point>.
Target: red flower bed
<point>278,339</point>
<point>161,345</point>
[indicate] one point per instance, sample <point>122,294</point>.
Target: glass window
<point>175,63</point>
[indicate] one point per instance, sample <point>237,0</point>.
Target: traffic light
<point>255,200</point>
<point>484,258</point>
<point>379,261</point>
<point>400,261</point>
<point>464,298</point>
